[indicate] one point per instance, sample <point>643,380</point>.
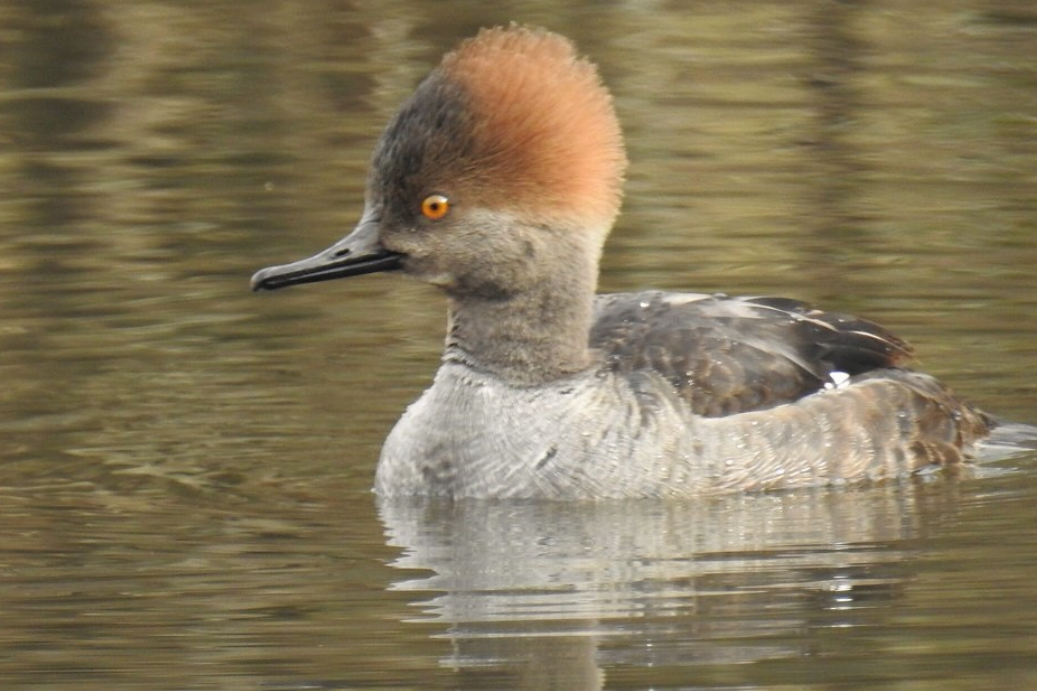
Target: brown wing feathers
<point>727,355</point>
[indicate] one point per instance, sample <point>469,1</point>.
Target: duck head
<point>506,164</point>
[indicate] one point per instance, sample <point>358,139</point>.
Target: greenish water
<point>185,466</point>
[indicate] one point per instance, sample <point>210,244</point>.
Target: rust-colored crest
<point>546,134</point>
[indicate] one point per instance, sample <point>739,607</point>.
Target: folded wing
<point>728,355</point>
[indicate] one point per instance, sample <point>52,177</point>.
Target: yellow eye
<point>435,206</point>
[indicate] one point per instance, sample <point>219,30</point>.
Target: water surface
<point>185,466</point>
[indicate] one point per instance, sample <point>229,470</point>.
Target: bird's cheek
<point>404,241</point>
<point>428,270</point>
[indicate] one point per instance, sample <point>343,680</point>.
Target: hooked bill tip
<point>259,281</point>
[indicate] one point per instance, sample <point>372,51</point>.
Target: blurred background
<point>185,466</point>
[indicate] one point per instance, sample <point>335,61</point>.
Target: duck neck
<point>532,336</point>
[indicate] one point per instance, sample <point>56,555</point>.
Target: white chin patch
<point>443,280</point>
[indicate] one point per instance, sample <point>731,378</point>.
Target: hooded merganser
<point>498,181</point>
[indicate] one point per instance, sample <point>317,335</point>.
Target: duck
<point>497,181</point>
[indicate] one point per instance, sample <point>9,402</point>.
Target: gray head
<point>508,155</point>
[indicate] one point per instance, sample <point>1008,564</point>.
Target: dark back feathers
<point>728,355</point>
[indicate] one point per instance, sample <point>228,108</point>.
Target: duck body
<point>497,182</point>
<point>689,395</point>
